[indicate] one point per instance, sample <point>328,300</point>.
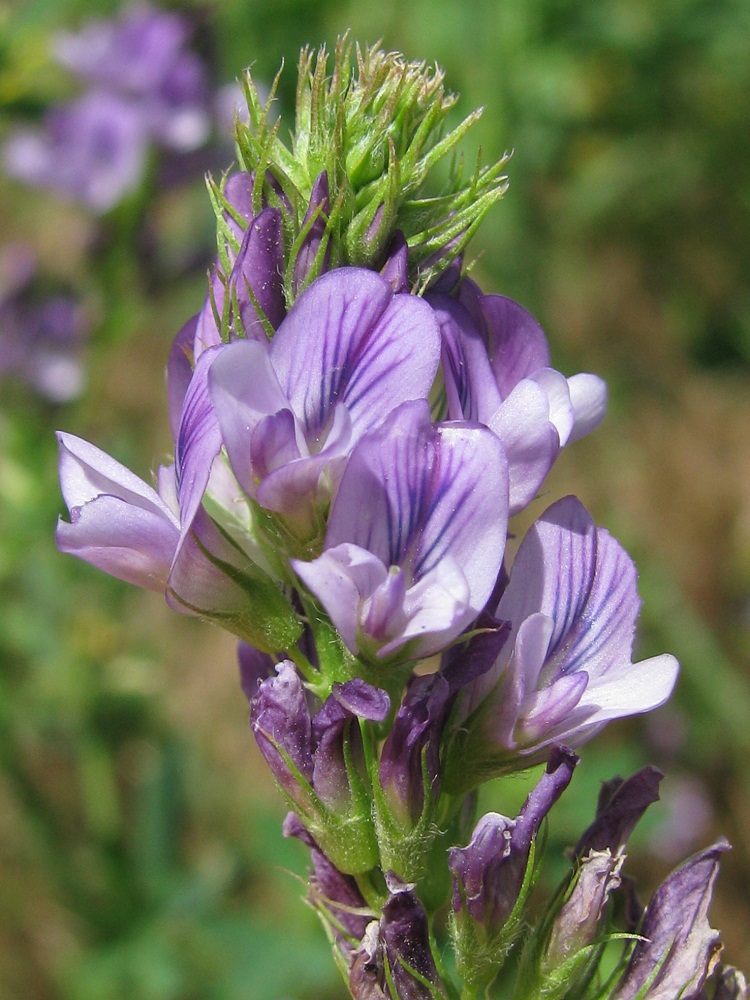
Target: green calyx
<point>375,126</point>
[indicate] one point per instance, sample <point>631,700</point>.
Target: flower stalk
<point>356,423</point>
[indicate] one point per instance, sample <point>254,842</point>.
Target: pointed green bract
<point>377,126</point>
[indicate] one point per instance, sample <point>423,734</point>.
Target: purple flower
<point>415,538</point>
<point>677,948</point>
<point>338,743</point>
<point>496,369</point>
<point>620,807</point>
<point>576,924</point>
<point>565,669</point>
<point>118,523</point>
<point>491,878</point>
<point>166,539</point>
<point>142,55</point>
<point>282,726</point>
<point>92,150</point>
<point>41,336</point>
<point>348,352</point>
<point>314,253</point>
<point>248,301</point>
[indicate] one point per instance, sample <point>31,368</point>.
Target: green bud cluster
<point>377,128</point>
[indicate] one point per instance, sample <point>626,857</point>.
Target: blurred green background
<point>140,851</point>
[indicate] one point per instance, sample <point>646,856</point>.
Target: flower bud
<point>576,924</point>
<point>492,876</point>
<point>318,761</point>
<point>375,131</point>
<point>395,958</point>
<point>676,949</point>
<point>334,895</point>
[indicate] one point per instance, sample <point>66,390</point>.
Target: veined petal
<point>553,570</point>
<point>413,493</point>
<point>601,635</point>
<point>516,343</point>
<point>350,340</point>
<point>198,440</point>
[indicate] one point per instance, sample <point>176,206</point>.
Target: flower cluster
<point>42,332</point>
<point>144,88</point>
<point>354,427</point>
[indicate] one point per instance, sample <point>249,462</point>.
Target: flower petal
<point>341,578</point>
<point>470,384</point>
<point>530,439</point>
<point>256,276</point>
<point>244,389</point>
<point>198,440</point>
<point>588,394</point>
<point>117,522</point>
<point>516,343</point>
<point>413,493</point>
<point>553,569</point>
<point>349,340</point>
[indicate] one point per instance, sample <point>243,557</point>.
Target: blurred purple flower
<point>416,535</point>
<point>41,335</point>
<point>727,983</point>
<point>143,55</point>
<point>92,150</point>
